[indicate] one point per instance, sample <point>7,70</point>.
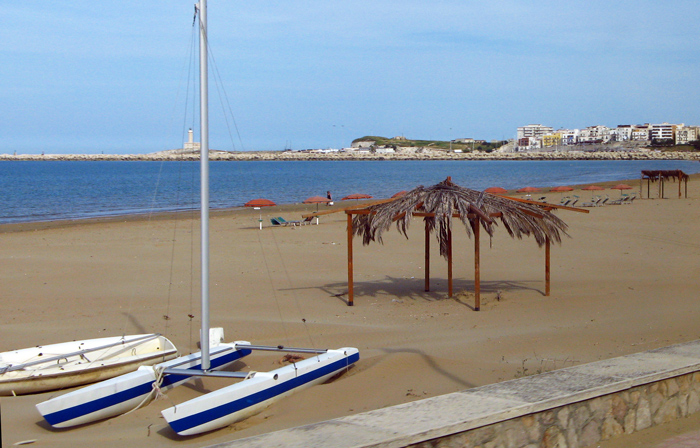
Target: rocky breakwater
<point>425,154</point>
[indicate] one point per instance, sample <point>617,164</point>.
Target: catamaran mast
<point>204,175</point>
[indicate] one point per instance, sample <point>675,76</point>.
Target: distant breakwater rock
<point>426,155</point>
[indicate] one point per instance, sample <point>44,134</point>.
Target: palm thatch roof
<point>441,202</point>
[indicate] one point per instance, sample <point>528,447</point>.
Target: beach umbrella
<point>257,204</point>
<point>260,202</point>
<point>561,188</point>
<point>593,188</point>
<point>316,200</point>
<point>356,196</point>
<point>399,194</point>
<point>496,190</point>
<point>528,190</point>
<point>621,187</point>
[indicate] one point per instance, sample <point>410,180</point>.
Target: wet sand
<point>626,281</point>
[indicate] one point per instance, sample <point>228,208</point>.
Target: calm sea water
<point>44,191</point>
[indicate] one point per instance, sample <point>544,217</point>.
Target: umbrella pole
<point>477,273</point>
<point>351,295</point>
<point>427,257</point>
<point>546,267</point>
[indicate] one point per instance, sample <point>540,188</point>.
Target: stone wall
<point>585,423</point>
<point>401,154</point>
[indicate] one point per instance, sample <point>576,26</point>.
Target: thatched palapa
<point>440,203</point>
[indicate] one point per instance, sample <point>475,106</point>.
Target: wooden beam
<point>449,261</point>
<point>477,267</point>
<point>546,266</point>
<point>427,257</point>
<point>351,293</point>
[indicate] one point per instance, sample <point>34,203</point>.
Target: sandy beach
<point>626,281</point>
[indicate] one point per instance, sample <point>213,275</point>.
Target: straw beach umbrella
<point>593,188</point>
<point>439,204</point>
<point>496,190</point>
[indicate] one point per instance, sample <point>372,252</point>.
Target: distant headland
<point>400,148</point>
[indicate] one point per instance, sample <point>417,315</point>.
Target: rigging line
<point>294,294</point>
<point>218,82</point>
<point>274,290</point>
<point>154,197</point>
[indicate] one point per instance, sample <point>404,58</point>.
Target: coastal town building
<point>535,131</point>
<point>641,133</point>
<point>536,136</point>
<point>687,134</point>
<point>663,131</point>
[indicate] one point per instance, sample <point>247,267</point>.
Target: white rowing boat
<point>69,364</point>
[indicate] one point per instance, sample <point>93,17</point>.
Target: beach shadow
<point>430,361</point>
<point>137,325</point>
<point>413,289</point>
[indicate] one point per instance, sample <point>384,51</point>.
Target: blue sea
<point>46,191</point>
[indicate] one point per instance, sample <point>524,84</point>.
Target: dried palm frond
<point>443,201</point>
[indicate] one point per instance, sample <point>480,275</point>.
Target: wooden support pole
<point>449,262</point>
<point>477,267</point>
<point>427,257</point>
<point>546,266</point>
<point>351,294</point>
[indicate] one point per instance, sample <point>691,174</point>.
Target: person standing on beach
<point>330,198</point>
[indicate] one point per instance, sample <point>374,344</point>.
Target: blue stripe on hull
<point>209,415</point>
<point>141,390</point>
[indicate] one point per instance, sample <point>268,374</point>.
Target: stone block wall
<point>585,423</point>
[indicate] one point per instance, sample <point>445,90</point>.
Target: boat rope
<point>274,290</point>
<point>225,105</point>
<point>155,389</point>
<point>294,295</point>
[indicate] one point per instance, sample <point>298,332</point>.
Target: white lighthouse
<point>191,145</point>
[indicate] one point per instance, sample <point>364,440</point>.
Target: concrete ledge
<point>460,412</point>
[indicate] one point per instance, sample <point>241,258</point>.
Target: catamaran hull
<point>79,362</point>
<point>124,393</point>
<point>239,401</point>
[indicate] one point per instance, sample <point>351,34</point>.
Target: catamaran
<point>253,392</point>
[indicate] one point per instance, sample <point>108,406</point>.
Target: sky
<point>112,76</point>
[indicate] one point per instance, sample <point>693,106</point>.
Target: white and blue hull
<point>239,401</point>
<point>124,393</point>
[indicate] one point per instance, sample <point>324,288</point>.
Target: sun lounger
<point>284,222</point>
<point>594,202</point>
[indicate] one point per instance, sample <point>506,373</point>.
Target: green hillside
<point>433,144</point>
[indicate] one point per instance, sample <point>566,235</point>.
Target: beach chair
<point>307,220</point>
<point>593,203</point>
<point>286,223</point>
<point>543,199</point>
<point>630,200</point>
